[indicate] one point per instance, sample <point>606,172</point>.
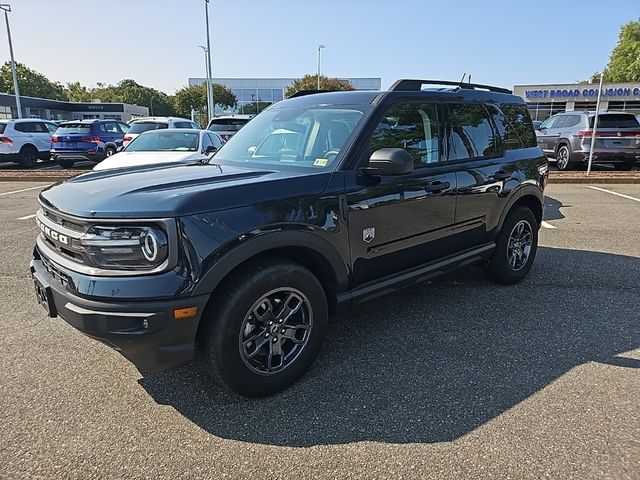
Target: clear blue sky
<point>155,41</point>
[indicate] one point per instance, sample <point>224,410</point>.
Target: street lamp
<point>208,73</point>
<point>209,87</point>
<point>7,8</point>
<point>319,48</point>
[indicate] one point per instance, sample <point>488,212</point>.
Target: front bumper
<point>145,332</point>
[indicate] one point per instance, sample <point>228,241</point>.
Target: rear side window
<point>182,125</point>
<point>73,128</point>
<point>572,120</point>
<point>615,120</point>
<point>413,127</point>
<point>139,127</point>
<point>112,128</point>
<point>470,134</point>
<point>27,127</point>
<point>519,124</point>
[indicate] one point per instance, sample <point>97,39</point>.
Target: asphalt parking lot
<point>456,379</point>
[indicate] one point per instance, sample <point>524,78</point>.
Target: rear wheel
<point>28,156</point>
<point>516,247</point>
<point>265,327</point>
<point>66,163</point>
<point>563,157</point>
<point>109,151</point>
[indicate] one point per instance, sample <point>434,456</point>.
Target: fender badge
<point>368,234</point>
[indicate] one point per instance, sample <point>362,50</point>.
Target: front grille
<point>58,220</point>
<point>62,235</point>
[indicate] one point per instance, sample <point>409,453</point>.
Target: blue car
<point>82,140</point>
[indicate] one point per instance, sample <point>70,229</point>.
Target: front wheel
<point>563,158</point>
<point>516,247</point>
<point>265,327</point>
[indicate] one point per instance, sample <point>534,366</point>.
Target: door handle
<point>501,175</point>
<point>435,187</point>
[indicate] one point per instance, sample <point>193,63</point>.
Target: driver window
<point>413,127</point>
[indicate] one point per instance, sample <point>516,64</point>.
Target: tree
<point>195,97</point>
<point>310,82</point>
<point>624,63</point>
<point>129,91</point>
<point>30,83</point>
<point>77,92</point>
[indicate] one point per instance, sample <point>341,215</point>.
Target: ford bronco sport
<point>321,202</point>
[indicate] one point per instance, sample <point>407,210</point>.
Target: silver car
<point>567,138</point>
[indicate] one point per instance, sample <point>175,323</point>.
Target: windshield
<point>308,136</point>
<point>73,128</point>
<point>615,120</point>
<point>227,124</point>
<point>139,127</point>
<point>165,142</point>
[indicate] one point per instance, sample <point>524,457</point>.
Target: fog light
<point>180,313</point>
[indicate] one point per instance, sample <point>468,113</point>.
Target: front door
<point>398,222</point>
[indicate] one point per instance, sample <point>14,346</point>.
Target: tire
<point>563,157</point>
<point>66,163</point>
<point>109,151</point>
<point>236,338</point>
<point>28,156</point>
<point>501,267</point>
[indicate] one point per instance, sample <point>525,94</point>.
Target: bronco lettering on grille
<point>52,233</point>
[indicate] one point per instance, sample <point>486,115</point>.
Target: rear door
<point>397,222</point>
<point>484,174</point>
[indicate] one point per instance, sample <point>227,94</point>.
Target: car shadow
<point>434,362</point>
<point>552,208</point>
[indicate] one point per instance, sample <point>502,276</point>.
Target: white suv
<point>24,141</point>
<point>144,124</point>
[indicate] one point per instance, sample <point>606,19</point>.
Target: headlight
<point>125,247</point>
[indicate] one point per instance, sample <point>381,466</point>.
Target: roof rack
<point>416,85</point>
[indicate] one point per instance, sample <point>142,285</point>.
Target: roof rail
<point>302,93</point>
<point>416,85</point>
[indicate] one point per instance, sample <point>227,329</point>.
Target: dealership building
<point>59,110</point>
<point>271,90</point>
<point>546,100</point>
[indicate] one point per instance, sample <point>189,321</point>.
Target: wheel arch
<point>528,196</point>
<point>307,249</point>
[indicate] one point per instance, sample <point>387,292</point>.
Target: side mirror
<point>389,161</point>
<point>120,148</point>
<point>210,149</point>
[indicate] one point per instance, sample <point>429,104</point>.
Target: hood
<point>131,159</point>
<point>174,190</point>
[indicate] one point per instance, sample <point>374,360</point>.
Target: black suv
<point>321,202</point>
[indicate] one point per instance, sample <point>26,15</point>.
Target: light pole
<point>7,8</point>
<point>209,86</point>
<point>320,47</point>
<point>208,73</point>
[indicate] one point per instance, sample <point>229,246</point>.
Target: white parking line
<point>27,217</point>
<point>615,193</point>
<point>23,190</point>
<point>547,225</point>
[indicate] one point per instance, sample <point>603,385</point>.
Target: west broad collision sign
<point>589,92</point>
<point>584,93</point>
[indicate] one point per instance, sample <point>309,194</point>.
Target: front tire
<point>563,158</point>
<point>516,247</point>
<point>265,327</point>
